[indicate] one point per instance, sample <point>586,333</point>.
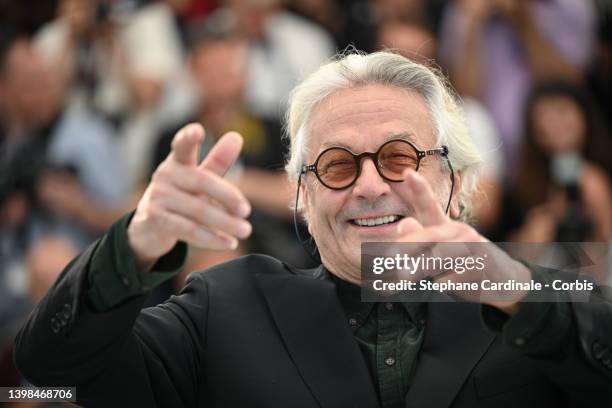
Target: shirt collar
<point>349,295</point>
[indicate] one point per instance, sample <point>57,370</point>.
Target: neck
<point>344,273</point>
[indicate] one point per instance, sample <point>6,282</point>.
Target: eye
<point>398,159</point>
<point>338,166</point>
<point>396,156</point>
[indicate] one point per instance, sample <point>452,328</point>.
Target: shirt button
<point>390,361</point>
<point>352,321</point>
<point>520,341</point>
<point>598,351</point>
<point>55,326</point>
<point>61,319</point>
<point>389,306</point>
<point>125,281</point>
<point>422,322</point>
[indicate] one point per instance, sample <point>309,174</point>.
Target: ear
<point>454,206</point>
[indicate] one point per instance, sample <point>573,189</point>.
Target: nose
<point>370,185</point>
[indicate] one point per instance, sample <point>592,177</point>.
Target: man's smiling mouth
<point>374,222</point>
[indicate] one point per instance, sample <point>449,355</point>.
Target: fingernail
<point>233,243</point>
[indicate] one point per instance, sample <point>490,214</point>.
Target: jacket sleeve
<point>121,356</point>
<point>569,341</point>
<point>582,368</point>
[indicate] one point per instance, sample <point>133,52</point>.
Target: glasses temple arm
<point>452,171</point>
<point>295,220</point>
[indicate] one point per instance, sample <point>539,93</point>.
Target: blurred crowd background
<point>92,91</point>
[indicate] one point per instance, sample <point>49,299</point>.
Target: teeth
<point>370,222</point>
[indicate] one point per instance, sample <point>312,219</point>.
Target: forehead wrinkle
<point>347,121</point>
<point>354,109</point>
<point>327,122</point>
<point>393,135</point>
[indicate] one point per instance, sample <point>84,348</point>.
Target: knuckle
<point>160,173</point>
<point>199,179</point>
<point>152,213</point>
<point>200,207</point>
<point>220,219</point>
<point>460,226</point>
<point>191,230</point>
<point>155,192</point>
<point>467,233</point>
<point>204,175</point>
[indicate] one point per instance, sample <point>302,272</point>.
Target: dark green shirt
<point>389,335</point>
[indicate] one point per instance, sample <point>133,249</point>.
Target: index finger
<point>223,154</point>
<point>419,193</point>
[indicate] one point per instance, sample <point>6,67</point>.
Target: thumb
<point>186,144</point>
<point>408,225</point>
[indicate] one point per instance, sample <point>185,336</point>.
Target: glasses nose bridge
<point>365,155</point>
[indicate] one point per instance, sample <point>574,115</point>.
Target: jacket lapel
<point>315,332</point>
<point>455,340</point>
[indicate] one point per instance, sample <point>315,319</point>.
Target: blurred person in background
<point>599,79</point>
<point>496,49</point>
<point>259,174</point>
<point>60,178</point>
<point>282,48</point>
<point>560,193</point>
<point>355,22</point>
<point>189,12</point>
<point>219,103</point>
<point>414,39</point>
<point>117,59</point>
<point>328,14</point>
<point>362,19</point>
<point>61,158</point>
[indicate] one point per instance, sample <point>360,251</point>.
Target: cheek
<point>322,209</point>
<point>439,178</point>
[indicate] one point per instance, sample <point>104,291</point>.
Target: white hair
<point>386,68</point>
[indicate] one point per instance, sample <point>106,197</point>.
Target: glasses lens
<point>336,168</point>
<point>395,157</point>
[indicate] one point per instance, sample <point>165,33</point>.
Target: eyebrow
<point>403,135</point>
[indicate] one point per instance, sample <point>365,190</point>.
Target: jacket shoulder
<point>252,265</point>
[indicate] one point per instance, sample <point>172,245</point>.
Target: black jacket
<point>255,332</point>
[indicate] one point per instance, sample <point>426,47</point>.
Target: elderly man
<point>367,136</point>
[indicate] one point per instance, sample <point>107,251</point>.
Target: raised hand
<point>190,202</point>
<point>430,227</point>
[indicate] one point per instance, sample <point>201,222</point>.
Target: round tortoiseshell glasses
<point>338,168</point>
